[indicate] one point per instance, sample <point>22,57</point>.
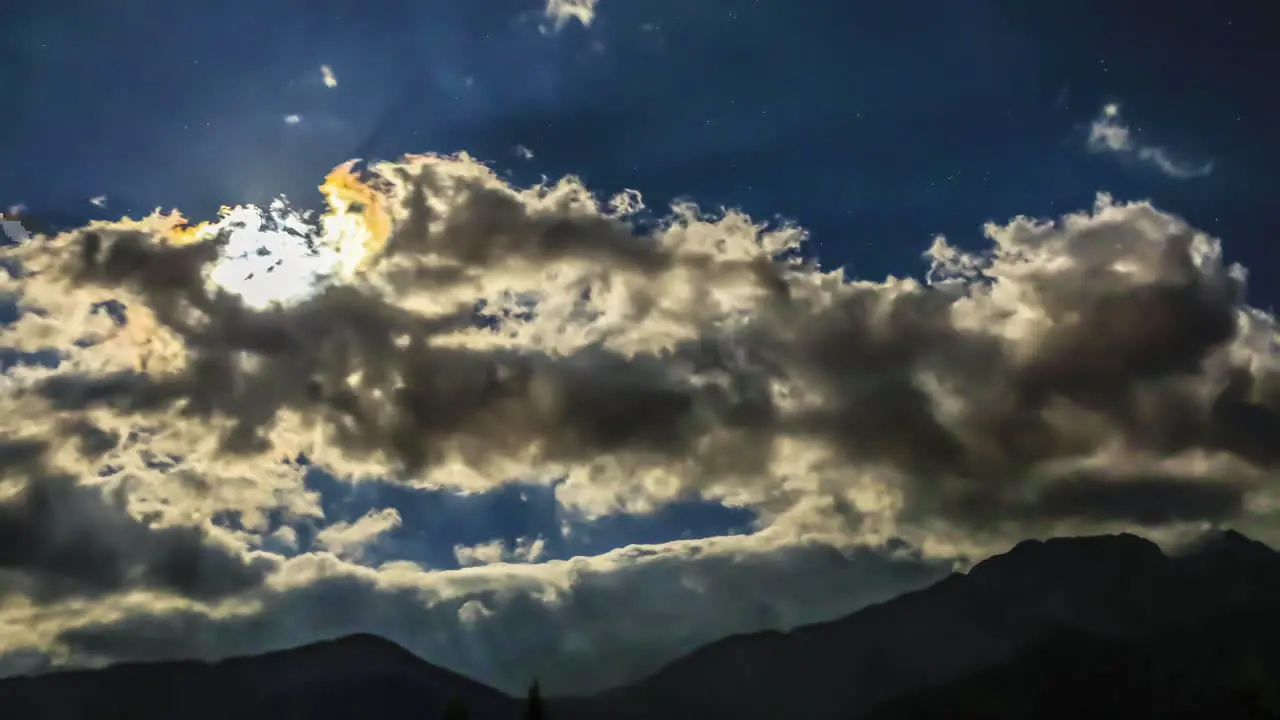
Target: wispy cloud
<point>349,540</point>
<point>1110,133</point>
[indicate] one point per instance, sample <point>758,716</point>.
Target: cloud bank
<point>444,329</point>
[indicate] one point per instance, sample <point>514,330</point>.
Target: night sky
<point>875,126</point>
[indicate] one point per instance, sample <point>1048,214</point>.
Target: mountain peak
<point>1229,538</point>
<point>358,651</point>
<point>367,641</point>
<point>1220,545</point>
<point>1086,554</point>
<point>365,645</point>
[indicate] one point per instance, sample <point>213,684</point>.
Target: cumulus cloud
<point>61,538</point>
<point>442,328</point>
<point>327,77</point>
<point>1110,133</point>
<point>561,12</point>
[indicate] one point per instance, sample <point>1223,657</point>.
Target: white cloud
<point>523,152</point>
<point>326,75</point>
<point>286,537</point>
<point>349,540</point>
<point>1109,133</point>
<point>526,550</point>
<point>564,11</point>
<point>1093,373</point>
<point>292,119</point>
<point>99,201</point>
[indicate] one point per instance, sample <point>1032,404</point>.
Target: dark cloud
<point>61,538</point>
<point>1111,350</point>
<point>1149,501</point>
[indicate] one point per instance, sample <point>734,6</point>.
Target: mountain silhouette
<point>1110,587</point>
<point>350,677</point>
<point>1068,627</point>
<point>1221,667</point>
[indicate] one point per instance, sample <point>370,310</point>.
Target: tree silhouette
<point>533,709</point>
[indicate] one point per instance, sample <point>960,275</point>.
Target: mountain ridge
<point>1056,603</point>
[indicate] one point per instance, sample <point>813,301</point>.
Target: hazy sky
<point>535,434</point>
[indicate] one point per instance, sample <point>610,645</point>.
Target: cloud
<point>326,75</point>
<point>100,201</point>
<point>579,624</point>
<point>349,540</point>
<point>441,328</point>
<point>496,551</point>
<point>292,119</point>
<point>1109,133</point>
<point>60,538</point>
<point>564,11</point>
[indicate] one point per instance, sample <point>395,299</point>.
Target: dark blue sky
<point>875,125</point>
